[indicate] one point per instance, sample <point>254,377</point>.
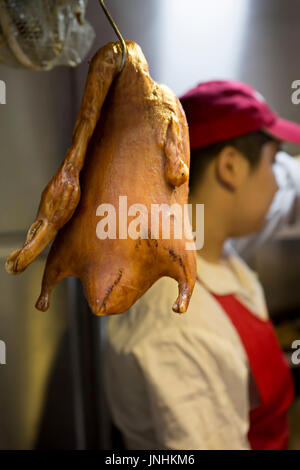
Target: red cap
<point>220,110</point>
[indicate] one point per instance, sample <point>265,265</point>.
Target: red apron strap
<point>273,378</point>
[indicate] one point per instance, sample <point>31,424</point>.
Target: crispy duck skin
<point>62,194</point>
<point>137,147</point>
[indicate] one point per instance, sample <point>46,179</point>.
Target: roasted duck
<point>130,139</point>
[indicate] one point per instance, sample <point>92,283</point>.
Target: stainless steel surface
<point>32,340</point>
<point>35,127</point>
<point>278,267</point>
<point>36,124</point>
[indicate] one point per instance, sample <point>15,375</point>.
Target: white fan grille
<point>41,34</point>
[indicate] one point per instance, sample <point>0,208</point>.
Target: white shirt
<point>182,381</point>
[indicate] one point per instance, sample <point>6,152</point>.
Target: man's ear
<point>230,168</point>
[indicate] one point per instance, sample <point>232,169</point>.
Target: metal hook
<point>117,33</point>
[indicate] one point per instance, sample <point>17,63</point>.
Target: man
<point>284,211</point>
<point>214,378</point>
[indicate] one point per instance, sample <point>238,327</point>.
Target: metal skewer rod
<point>117,33</point>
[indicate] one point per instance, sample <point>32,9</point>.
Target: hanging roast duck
<point>130,139</point>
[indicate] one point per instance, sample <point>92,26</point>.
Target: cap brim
<point>285,130</point>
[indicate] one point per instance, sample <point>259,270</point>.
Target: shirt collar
<point>231,277</point>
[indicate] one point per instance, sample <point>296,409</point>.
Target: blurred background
<point>51,387</point>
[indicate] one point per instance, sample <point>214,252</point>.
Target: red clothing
<point>269,428</point>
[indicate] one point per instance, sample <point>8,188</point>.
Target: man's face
<point>256,193</point>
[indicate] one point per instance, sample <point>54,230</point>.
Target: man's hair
<point>250,145</point>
